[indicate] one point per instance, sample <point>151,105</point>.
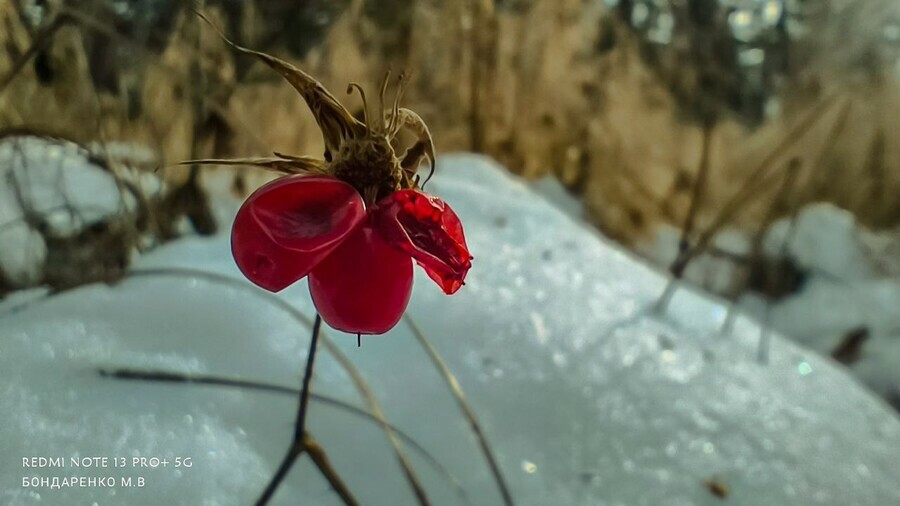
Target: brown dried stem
<point>677,268</point>
<point>467,410</point>
<point>759,178</point>
<point>754,261</point>
<point>38,44</point>
<point>359,381</point>
<point>320,459</point>
<point>375,407</point>
<point>833,134</point>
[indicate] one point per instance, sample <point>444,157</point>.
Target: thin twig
<point>317,454</point>
<point>320,459</point>
<point>754,261</point>
<point>307,378</point>
<point>699,185</point>
<point>202,379</point>
<point>467,410</point>
<point>833,134</point>
<point>358,380</point>
<point>677,268</point>
<point>290,457</point>
<point>758,179</point>
<point>302,441</point>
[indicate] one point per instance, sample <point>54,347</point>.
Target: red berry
<point>359,264</point>
<point>427,229</point>
<point>286,227</point>
<point>364,285</point>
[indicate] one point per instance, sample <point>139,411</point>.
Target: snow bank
<point>851,285</point>
<point>586,398</point>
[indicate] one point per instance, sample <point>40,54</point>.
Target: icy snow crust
<point>586,398</point>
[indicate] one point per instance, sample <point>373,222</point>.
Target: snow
<point>852,281</point>
<point>824,240</point>
<point>847,288</point>
<point>53,184</point>
<point>555,193</point>
<point>585,395</point>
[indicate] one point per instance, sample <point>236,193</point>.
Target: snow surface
<point>552,190</point>
<point>586,397</point>
<point>845,290</point>
<point>852,282</point>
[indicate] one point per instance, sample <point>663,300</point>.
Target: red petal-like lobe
<point>362,287</point>
<point>286,227</point>
<point>427,229</point>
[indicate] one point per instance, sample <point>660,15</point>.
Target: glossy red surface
<point>286,227</point>
<point>364,285</point>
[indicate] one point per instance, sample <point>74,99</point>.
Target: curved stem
<point>375,407</point>
<point>222,381</point>
<point>467,410</point>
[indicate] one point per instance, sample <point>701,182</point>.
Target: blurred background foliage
<point>689,113</point>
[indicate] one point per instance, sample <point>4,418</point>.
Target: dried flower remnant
<point>354,221</point>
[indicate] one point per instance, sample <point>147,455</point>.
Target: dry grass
<point>545,86</point>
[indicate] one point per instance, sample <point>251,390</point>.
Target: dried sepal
<point>423,147</point>
<point>278,163</point>
<point>336,123</point>
<point>394,122</point>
